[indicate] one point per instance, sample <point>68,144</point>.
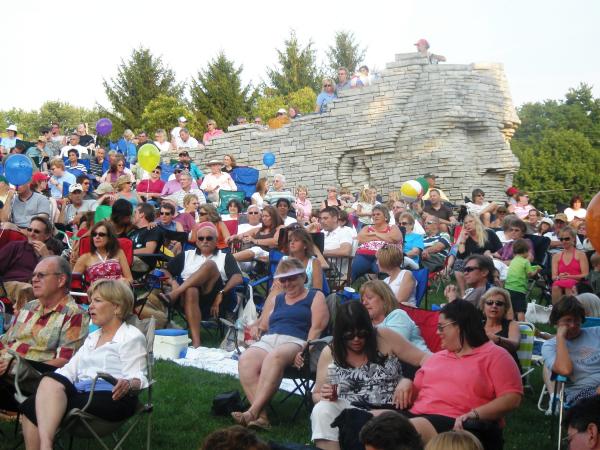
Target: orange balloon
<point>592,222</point>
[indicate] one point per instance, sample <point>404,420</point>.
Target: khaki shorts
<point>270,342</point>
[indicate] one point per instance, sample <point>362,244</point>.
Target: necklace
<point>100,257</point>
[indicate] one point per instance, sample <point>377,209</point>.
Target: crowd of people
<point>92,213</point>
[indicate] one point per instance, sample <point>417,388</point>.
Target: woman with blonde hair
<point>124,190</point>
<point>303,205</point>
<point>454,440</point>
<point>499,325</point>
<point>258,198</point>
<point>363,208</point>
<point>390,260</point>
<point>189,216</point>
<point>383,310</point>
<point>326,95</point>
<point>474,238</point>
<point>116,348</point>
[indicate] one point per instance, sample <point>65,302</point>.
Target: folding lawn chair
<point>78,423</point>
<point>338,274</point>
<point>525,352</point>
<point>427,322</point>
<point>422,279</point>
<point>226,196</point>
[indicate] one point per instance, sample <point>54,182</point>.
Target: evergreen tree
<point>217,93</point>
<point>139,80</point>
<point>345,53</point>
<point>298,68</point>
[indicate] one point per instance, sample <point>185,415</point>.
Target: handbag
<point>227,402</point>
<point>537,313</point>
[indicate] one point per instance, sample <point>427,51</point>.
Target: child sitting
<point>519,271</point>
<point>594,275</point>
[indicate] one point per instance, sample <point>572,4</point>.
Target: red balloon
<point>592,222</point>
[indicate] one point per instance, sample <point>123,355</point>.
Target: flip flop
<point>165,298</point>
<point>260,424</point>
<point>242,418</point>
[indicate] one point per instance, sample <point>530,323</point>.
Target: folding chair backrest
<point>7,236</point>
<point>245,178</point>
<point>232,226</point>
<point>127,246</point>
<point>591,322</point>
<point>225,196</point>
<point>540,247</point>
<point>102,212</point>
<point>422,278</point>
<point>427,322</point>
<point>525,350</point>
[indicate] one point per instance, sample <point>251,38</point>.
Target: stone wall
<point>452,120</point>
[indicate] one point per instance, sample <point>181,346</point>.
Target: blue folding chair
<point>422,279</point>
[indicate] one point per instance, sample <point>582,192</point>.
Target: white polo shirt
<point>334,239</point>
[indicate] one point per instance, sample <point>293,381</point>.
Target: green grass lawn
<point>182,418</point>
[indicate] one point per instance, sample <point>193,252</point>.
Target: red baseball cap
<point>422,41</point>
<point>511,191</point>
<point>39,176</point>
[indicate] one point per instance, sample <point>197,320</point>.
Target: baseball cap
<point>281,111</point>
<point>39,176</point>
<point>422,41</point>
<point>12,128</point>
<point>561,216</point>
<point>104,188</point>
<point>179,167</point>
<point>182,119</point>
<point>511,191</point>
<point>429,175</point>
<point>214,162</point>
<point>75,187</point>
<point>184,153</point>
<point>547,220</point>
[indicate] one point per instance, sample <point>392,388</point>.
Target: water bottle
<point>333,379</point>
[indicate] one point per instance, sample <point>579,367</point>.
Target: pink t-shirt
<point>451,386</point>
<point>211,134</point>
<point>150,186</point>
<point>306,207</point>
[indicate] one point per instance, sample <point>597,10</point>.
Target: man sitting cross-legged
<point>208,275</point>
<point>47,331</point>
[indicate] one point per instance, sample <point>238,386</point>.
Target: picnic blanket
<point>221,361</point>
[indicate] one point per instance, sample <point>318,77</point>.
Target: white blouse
<point>123,357</point>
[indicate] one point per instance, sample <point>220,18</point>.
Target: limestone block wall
<point>453,120</point>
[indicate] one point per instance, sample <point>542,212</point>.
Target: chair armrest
<point>22,368</point>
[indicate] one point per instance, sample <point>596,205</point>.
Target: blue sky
<point>63,50</point>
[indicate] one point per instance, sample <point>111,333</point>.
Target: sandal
<point>260,424</point>
<point>243,418</point>
<point>165,298</point>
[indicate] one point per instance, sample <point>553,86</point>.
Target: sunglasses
<point>156,171</point>
<point>99,234</point>
<point>203,213</point>
<point>290,278</point>
<point>206,238</point>
<point>562,239</point>
<point>34,231</point>
<point>252,213</point>
<point>165,213</point>
<point>429,222</point>
<point>361,334</point>
<point>495,302</point>
<point>470,269</point>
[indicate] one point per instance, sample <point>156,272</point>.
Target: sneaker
<point>8,416</point>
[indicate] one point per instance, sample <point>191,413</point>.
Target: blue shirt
<point>8,143</point>
<point>400,322</point>
<point>323,98</point>
<point>57,192</point>
<point>292,320</point>
<point>413,240</point>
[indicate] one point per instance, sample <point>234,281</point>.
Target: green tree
<point>67,115</point>
<point>160,111</point>
<point>298,68</point>
<point>267,105</point>
<point>217,93</point>
<point>345,53</point>
<point>139,80</point>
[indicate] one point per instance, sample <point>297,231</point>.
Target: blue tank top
<point>292,320</point>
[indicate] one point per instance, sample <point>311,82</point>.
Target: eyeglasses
<point>564,239</point>
<point>495,302</point>
<point>85,182</point>
<point>156,171</point>
<point>165,213</point>
<point>470,269</point>
<point>42,275</point>
<point>361,334</point>
<point>206,238</point>
<point>429,222</point>
<point>441,327</point>
<point>34,231</point>
<point>99,234</point>
<point>252,213</point>
<point>405,223</point>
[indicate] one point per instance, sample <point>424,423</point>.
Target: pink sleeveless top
<point>109,269</point>
<point>371,247</point>
<point>573,268</point>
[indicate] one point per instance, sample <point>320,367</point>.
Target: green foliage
<point>345,53</point>
<point>164,110</point>
<point>217,93</point>
<point>30,122</point>
<point>298,68</point>
<point>304,99</point>
<point>139,80</point>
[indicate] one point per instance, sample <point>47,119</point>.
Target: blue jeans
<point>362,264</point>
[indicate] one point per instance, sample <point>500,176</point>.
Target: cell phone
<point>107,377</point>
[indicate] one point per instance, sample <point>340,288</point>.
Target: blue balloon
<point>268,159</point>
<point>18,169</point>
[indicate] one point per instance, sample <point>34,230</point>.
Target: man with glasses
<point>19,258</point>
<point>174,184</point>
<point>185,180</point>
<point>478,272</point>
<point>436,208</point>
<point>99,164</point>
<point>209,278</point>
<point>583,425</point>
<point>436,245</point>
<point>47,331</point>
<point>186,162</point>
<point>186,140</point>
<point>343,80</point>
<point>73,144</point>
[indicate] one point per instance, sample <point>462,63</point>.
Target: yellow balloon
<point>148,157</point>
